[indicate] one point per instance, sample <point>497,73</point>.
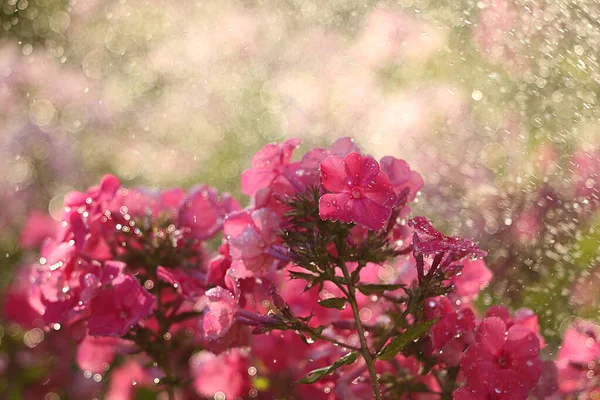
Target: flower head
<point>431,241</point>
<point>361,193</point>
<point>271,167</point>
<point>117,308</point>
<point>502,364</point>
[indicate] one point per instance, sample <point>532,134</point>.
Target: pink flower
<point>453,332</point>
<point>251,236</point>
<point>271,167</point>
<point>586,174</point>
<point>187,283</point>
<point>402,177</point>
<point>308,172</point>
<point>432,241</point>
<point>502,364</point>
<point>203,212</point>
<point>116,309</point>
<point>94,354</point>
<point>220,305</point>
<point>126,379</point>
<point>225,373</point>
<point>474,276</point>
<point>361,192</point>
<point>37,228</point>
<point>578,369</point>
<point>523,316</point>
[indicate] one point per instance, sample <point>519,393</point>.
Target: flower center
<point>356,193</point>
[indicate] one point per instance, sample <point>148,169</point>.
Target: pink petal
<point>423,225</point>
<point>521,342</point>
<point>236,223</point>
<point>343,146</point>
<point>173,198</point>
<point>401,176</point>
<point>115,310</point>
<point>267,223</point>
<point>255,179</point>
<point>221,307</point>
<point>335,175</point>
<point>225,373</point>
<point>500,312</point>
<point>201,212</point>
<point>38,227</point>
<point>336,207</point>
<point>288,148</point>
<point>370,214</point>
<point>93,352</point>
<point>380,190</point>
<point>314,157</point>
<point>481,376</point>
<point>491,335</point>
<point>109,184</point>
<point>474,275</point>
<point>361,169</point>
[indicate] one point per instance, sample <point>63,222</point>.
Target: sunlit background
<point>494,102</point>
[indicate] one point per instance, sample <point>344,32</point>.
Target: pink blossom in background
<point>391,36</point>
<point>586,167</point>
<point>503,364</point>
<point>224,373</point>
<point>251,236</point>
<point>116,309</point>
<point>578,361</point>
<point>271,167</point>
<point>203,212</point>
<point>453,332</point>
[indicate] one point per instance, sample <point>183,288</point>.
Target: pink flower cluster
<point>132,274</point>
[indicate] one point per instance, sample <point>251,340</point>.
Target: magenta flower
<point>431,241</point>
<point>578,369</point>
<point>361,192</point>
<point>187,283</point>
<point>220,306</point>
<point>116,309</point>
<point>502,364</point>
<point>453,332</point>
<point>225,373</point>
<point>402,177</point>
<point>271,167</point>
<point>251,236</point>
<point>203,212</point>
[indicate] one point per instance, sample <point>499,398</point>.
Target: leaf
<point>334,302</point>
<point>319,373</point>
<point>400,342</point>
<point>368,289</point>
<point>303,275</point>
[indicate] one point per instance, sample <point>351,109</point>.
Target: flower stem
<point>364,347</point>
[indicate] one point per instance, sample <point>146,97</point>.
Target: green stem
<point>364,347</point>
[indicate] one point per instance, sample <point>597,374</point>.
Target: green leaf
<point>400,342</point>
<point>334,302</point>
<point>303,275</point>
<point>320,373</point>
<point>368,289</point>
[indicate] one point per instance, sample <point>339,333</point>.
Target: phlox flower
<point>251,236</point>
<point>432,241</point>
<point>502,364</point>
<point>118,307</point>
<point>577,363</point>
<point>453,332</point>
<point>361,193</point>
<point>272,167</point>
